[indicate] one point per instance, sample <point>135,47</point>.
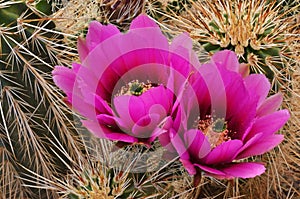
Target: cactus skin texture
<point>33,117</point>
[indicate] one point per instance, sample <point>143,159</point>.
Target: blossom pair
<point>136,87</point>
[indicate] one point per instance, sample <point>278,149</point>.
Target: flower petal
<point>226,59</point>
<point>146,125</point>
<point>64,78</point>
<point>197,144</point>
<point>244,69</point>
<point>178,144</point>
<point>183,58</point>
<point>259,144</point>
<point>188,166</point>
<point>121,106</point>
<point>223,153</point>
<point>144,27</point>
<point>211,171</point>
<point>258,85</point>
<point>92,99</point>
<point>143,21</point>
<point>234,170</point>
<point>268,124</point>
<point>157,98</point>
<point>97,33</point>
<point>94,127</point>
<point>244,170</point>
<point>103,132</point>
<point>270,105</point>
<point>83,50</point>
<point>182,42</point>
<point>240,105</point>
<point>104,119</point>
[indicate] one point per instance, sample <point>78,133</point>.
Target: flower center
<point>136,88</point>
<point>215,130</point>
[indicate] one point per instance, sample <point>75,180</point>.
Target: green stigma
<point>219,125</point>
<point>136,88</point>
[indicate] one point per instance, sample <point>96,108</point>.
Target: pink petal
<point>94,127</point>
<point>214,98</point>
<point>258,85</point>
<point>104,132</point>
<point>234,170</point>
<point>155,133</point>
<point>64,78</point>
<point>122,53</point>
<point>124,125</point>
<point>178,144</point>
<point>102,105</point>
<point>83,50</point>
<point>106,120</point>
<point>80,104</point>
<point>157,96</point>
<point>164,137</point>
<point>137,108</point>
<point>121,137</point>
<point>183,58</point>
<point>244,69</point>
<point>97,33</point>
<point>259,144</point>
<point>211,171</point>
<point>165,141</point>
<point>121,105</point>
<point>223,153</point>
<point>203,95</point>
<point>137,62</point>
<point>226,59</point>
<point>270,105</point>
<point>240,105</point>
<point>188,166</point>
<point>89,97</point>
<point>268,124</point>
<point>143,21</point>
<point>244,170</point>
<point>86,78</point>
<point>146,125</point>
<point>182,42</point>
<point>197,144</point>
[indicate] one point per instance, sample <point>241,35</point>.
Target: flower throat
<point>136,88</point>
<point>215,130</point>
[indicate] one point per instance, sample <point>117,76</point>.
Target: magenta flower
<point>228,119</point>
<point>126,83</point>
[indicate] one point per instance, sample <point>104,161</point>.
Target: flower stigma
<point>215,130</point>
<point>136,88</point>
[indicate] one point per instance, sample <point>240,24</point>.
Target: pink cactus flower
<point>125,85</point>
<point>229,118</point>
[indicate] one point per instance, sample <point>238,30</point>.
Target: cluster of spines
<point>32,111</point>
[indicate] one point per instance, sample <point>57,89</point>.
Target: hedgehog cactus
<point>33,116</point>
<point>256,30</point>
<point>103,171</point>
<point>74,18</point>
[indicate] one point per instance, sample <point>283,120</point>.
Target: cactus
<point>257,31</point>
<point>41,146</point>
<point>74,18</point>
<point>109,172</point>
<point>32,111</point>
<point>40,140</point>
<point>265,34</point>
